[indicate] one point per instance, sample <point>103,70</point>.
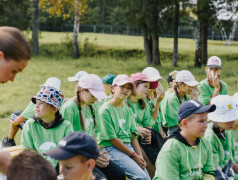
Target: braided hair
<point>80,111</point>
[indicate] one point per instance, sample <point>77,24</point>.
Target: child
<point>76,78</point>
<point>234,135</point>
<point>213,85</point>
<point>219,136</point>
<point>107,83</point>
<point>77,154</point>
<point>30,165</point>
<point>118,133</point>
<point>150,140</point>
<point>171,80</point>
<point>19,118</point>
<point>186,155</point>
<point>81,114</point>
<point>15,52</point>
<point>43,132</point>
<point>185,85</point>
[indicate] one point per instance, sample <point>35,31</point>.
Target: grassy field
<point>16,96</point>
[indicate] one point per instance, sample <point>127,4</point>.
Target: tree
<point>67,8</point>
<point>145,14</point>
<point>35,28</point>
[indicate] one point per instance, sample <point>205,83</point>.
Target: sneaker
<point>8,142</point>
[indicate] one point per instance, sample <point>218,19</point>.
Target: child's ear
<point>183,123</point>
<point>91,164</point>
<point>1,54</point>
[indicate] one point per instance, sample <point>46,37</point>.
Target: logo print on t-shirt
<point>123,126</point>
<point>46,146</point>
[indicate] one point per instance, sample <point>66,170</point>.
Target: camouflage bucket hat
<point>49,95</point>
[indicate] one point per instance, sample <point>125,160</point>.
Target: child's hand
<point>160,96</point>
<point>143,132</point>
<point>102,160</point>
<point>140,161</point>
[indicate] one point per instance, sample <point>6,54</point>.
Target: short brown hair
<point>30,165</point>
<point>14,44</point>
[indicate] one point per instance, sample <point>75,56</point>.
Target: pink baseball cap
<point>144,77</point>
<point>122,79</point>
<point>94,84</point>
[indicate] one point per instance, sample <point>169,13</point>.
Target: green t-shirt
<point>29,111</point>
<point>70,111</point>
<point>116,123</point>
<point>207,91</point>
<point>157,123</point>
<point>221,149</point>
<point>142,116</point>
<point>234,148</point>
<point>35,136</point>
<point>179,161</point>
<point>169,109</point>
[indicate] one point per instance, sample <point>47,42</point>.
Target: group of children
<point>121,127</point>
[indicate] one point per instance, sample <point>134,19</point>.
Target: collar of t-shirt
<point>58,120</point>
<point>220,134</point>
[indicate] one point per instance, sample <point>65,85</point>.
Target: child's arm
<point>159,98</point>
<point>123,148</point>
<point>235,167</point>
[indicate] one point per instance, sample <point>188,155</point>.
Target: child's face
<point>142,90</point>
<point>215,71</point>
<point>107,88</point>
<point>122,92</point>
<point>75,168</point>
<point>9,68</point>
<point>87,97</point>
<point>197,125</point>
<point>226,125</point>
<point>185,88</point>
<point>43,110</point>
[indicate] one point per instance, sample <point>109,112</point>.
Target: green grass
<point>15,96</point>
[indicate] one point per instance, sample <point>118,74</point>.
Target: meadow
<point>16,96</point>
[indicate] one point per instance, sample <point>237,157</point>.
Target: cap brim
<point>214,66</point>
<point>208,108</point>
<point>192,83</point>
<point>98,94</point>
<point>156,78</point>
<point>72,79</point>
<point>60,154</point>
<point>228,117</point>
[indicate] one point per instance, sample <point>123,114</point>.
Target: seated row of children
<point>126,123</point>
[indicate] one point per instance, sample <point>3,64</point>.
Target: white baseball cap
<point>52,82</point>
<point>94,84</point>
<point>152,73</point>
<point>186,77</point>
<point>77,76</point>
<point>214,62</point>
<point>235,97</point>
<point>226,110</point>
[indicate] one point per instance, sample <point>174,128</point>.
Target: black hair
<point>80,112</point>
<point>177,93</point>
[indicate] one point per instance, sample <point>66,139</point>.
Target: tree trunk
<point>204,41</point>
<point>35,28</point>
<point>176,23</point>
<point>147,46</point>
<point>155,49</point>
<point>76,31</point>
<point>198,46</point>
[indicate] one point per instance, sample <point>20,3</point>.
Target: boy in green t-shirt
<point>219,135</point>
<point>213,85</point>
<point>43,132</point>
<point>186,155</point>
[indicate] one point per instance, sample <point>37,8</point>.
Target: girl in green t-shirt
<point>184,88</point>
<point>82,115</point>
<point>150,140</point>
<point>219,135</point>
<point>118,133</point>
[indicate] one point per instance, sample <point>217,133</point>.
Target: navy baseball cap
<point>193,107</point>
<point>108,78</point>
<point>76,143</point>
